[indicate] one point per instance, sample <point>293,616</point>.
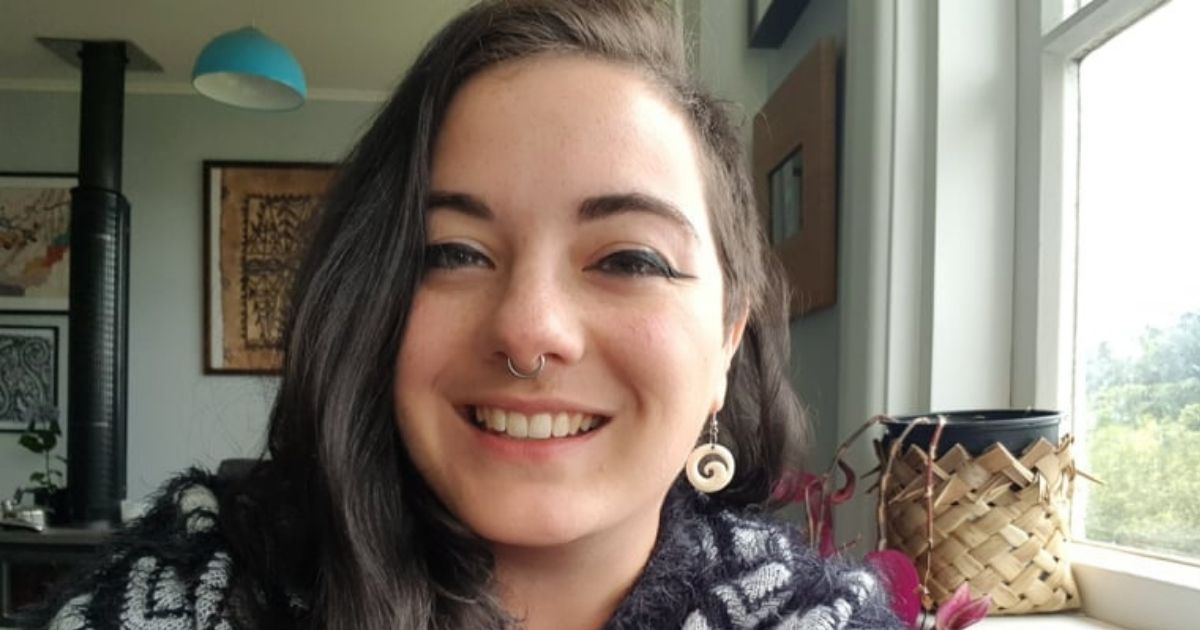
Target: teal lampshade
<point>245,68</point>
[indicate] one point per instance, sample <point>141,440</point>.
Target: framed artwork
<point>795,177</point>
<point>256,214</point>
<point>772,20</point>
<point>33,367</point>
<point>35,241</point>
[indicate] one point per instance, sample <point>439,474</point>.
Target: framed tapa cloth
<point>257,216</point>
<point>35,241</point>
<point>33,368</point>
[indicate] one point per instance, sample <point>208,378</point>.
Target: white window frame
<point>901,164</point>
<point>1118,585</point>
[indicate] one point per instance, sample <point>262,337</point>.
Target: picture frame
<point>35,241</point>
<point>771,21</point>
<point>795,177</point>
<point>256,216</point>
<point>33,366</point>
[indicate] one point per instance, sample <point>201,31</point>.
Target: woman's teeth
<point>538,426</point>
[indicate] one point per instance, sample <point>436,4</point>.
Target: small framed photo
<point>35,241</point>
<point>256,222</point>
<point>33,367</point>
<point>795,177</point>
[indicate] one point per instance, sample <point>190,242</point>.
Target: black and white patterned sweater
<point>711,569</point>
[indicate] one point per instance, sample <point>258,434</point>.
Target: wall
<point>748,77</point>
<point>177,416</point>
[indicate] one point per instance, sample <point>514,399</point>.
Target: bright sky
<point>1139,189</point>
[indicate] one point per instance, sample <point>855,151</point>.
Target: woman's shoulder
<point>170,567</point>
<point>745,569</point>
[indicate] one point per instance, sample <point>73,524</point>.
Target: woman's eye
<point>453,256</point>
<point>637,262</point>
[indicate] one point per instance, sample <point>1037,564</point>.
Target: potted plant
<point>47,486</point>
<point>981,498</point>
<point>910,598</point>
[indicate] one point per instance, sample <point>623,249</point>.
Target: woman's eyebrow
<point>603,206</point>
<point>592,208</point>
<point>469,205</point>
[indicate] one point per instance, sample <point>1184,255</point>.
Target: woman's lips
<point>542,425</point>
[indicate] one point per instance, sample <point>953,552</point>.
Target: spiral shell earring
<point>710,466</point>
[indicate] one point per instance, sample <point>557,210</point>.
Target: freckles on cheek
<point>419,349</point>
<point>647,331</point>
<point>666,350</point>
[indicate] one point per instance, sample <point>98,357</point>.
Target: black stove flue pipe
<point>99,316</point>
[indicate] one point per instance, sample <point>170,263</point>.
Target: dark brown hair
<point>338,513</point>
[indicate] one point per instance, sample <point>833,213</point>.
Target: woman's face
<point>568,220</point>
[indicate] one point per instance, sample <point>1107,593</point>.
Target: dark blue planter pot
<point>977,430</point>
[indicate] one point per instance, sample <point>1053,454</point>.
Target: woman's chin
<point>532,524</point>
<point>534,528</point>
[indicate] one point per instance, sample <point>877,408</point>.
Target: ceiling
<point>349,49</point>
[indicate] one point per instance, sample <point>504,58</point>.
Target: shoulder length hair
<point>338,508</point>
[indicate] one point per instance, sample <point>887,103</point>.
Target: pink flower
<point>903,583</point>
<point>962,610</point>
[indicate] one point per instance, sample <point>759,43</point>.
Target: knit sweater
<point>712,568</point>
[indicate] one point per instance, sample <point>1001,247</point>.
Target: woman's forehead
<point>567,127</point>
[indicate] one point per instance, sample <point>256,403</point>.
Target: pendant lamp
<point>245,68</point>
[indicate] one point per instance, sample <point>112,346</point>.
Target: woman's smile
<point>541,425</point>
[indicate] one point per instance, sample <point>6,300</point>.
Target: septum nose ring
<point>512,368</point>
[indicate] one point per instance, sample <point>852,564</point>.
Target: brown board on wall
<point>795,177</point>
<point>256,220</point>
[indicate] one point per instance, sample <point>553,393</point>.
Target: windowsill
<point>1064,621</point>
<point>1087,556</point>
<point>1130,590</point>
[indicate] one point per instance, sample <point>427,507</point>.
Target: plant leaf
<point>847,490</point>
<point>903,583</point>
<point>30,442</point>
<point>962,610</point>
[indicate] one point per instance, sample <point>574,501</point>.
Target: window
<point>1128,133</point>
<point>1071,6</point>
<point>1137,317</point>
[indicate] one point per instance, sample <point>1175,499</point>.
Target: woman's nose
<point>535,316</point>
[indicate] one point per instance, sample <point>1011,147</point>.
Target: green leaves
<point>1145,442</point>
<point>42,433</point>
<point>31,441</point>
<point>39,441</point>
<point>41,437</point>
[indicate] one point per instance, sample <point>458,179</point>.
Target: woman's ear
<point>733,341</point>
<point>733,338</point>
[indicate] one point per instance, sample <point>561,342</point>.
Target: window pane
<point>1137,363</point>
<point>1071,6</point>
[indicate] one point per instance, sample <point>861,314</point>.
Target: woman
<point>538,290</point>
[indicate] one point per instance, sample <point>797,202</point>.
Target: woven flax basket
<point>999,523</point>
